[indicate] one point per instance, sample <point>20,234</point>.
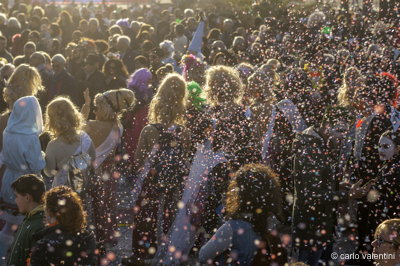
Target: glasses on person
<point>113,67</point>
<point>384,146</point>
<point>381,241</point>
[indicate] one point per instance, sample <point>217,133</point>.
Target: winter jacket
<point>56,246</point>
<point>23,241</point>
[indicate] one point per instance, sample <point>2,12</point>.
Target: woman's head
<point>387,242</point>
<point>63,119</point>
<point>223,85</point>
<point>259,86</point>
<point>24,81</point>
<point>168,105</point>
<point>115,67</point>
<point>109,105</point>
<point>254,192</point>
<point>389,145</point>
<point>64,206</point>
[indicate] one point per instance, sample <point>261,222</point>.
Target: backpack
<point>75,171</point>
<point>168,165</point>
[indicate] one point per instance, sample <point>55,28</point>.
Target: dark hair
<point>334,114</point>
<point>180,29</point>
<point>119,67</point>
<point>56,29</point>
<point>30,184</point>
<point>66,206</point>
<point>383,88</point>
<point>35,34</point>
<point>102,46</point>
<point>254,191</point>
<point>141,60</point>
<point>393,135</point>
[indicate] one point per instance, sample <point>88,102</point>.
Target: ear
<point>29,197</point>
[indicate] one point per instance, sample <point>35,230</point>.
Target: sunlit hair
<point>223,85</point>
<point>110,104</point>
<point>63,119</point>
<point>254,192</point>
<point>168,105</point>
<point>392,228</point>
<point>24,81</point>
<point>346,92</point>
<point>66,207</point>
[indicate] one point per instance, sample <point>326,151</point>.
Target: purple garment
<point>139,82</point>
<point>123,22</point>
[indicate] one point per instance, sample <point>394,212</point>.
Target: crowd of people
<point>241,142</point>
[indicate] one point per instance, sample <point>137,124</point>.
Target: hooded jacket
<point>21,146</point>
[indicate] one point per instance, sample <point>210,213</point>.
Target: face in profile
<point>384,251</point>
<point>387,149</point>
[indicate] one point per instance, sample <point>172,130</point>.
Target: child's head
<point>29,191</point>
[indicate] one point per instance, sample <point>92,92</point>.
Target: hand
<point>86,95</point>
<point>357,191</point>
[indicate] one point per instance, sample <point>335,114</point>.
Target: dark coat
<point>316,191</point>
<point>54,248</point>
<point>64,84</point>
<point>23,241</point>
<point>96,83</point>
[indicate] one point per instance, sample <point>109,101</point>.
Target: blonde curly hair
<point>346,92</point>
<point>24,81</point>
<point>110,104</point>
<point>63,119</point>
<point>168,105</point>
<point>223,85</point>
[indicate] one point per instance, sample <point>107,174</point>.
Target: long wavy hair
<point>253,195</point>
<point>63,119</point>
<point>346,92</point>
<point>168,105</point>
<point>223,85</point>
<point>24,81</point>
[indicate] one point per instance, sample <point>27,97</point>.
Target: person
<point>29,191</point>
<point>136,118</point>
<point>317,190</point>
<point>24,81</point>
<point>106,132</point>
<point>366,156</point>
<point>29,49</point>
<point>115,73</point>
<point>95,79</point>
<point>252,200</point>
<point>65,240</point>
<point>64,122</point>
<point>387,243</point>
<point>62,82</point>
<point>166,118</point>
<point>22,155</point>
<point>262,101</point>
<point>126,54</point>
<point>3,50</point>
<point>382,200</point>
<point>5,73</point>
